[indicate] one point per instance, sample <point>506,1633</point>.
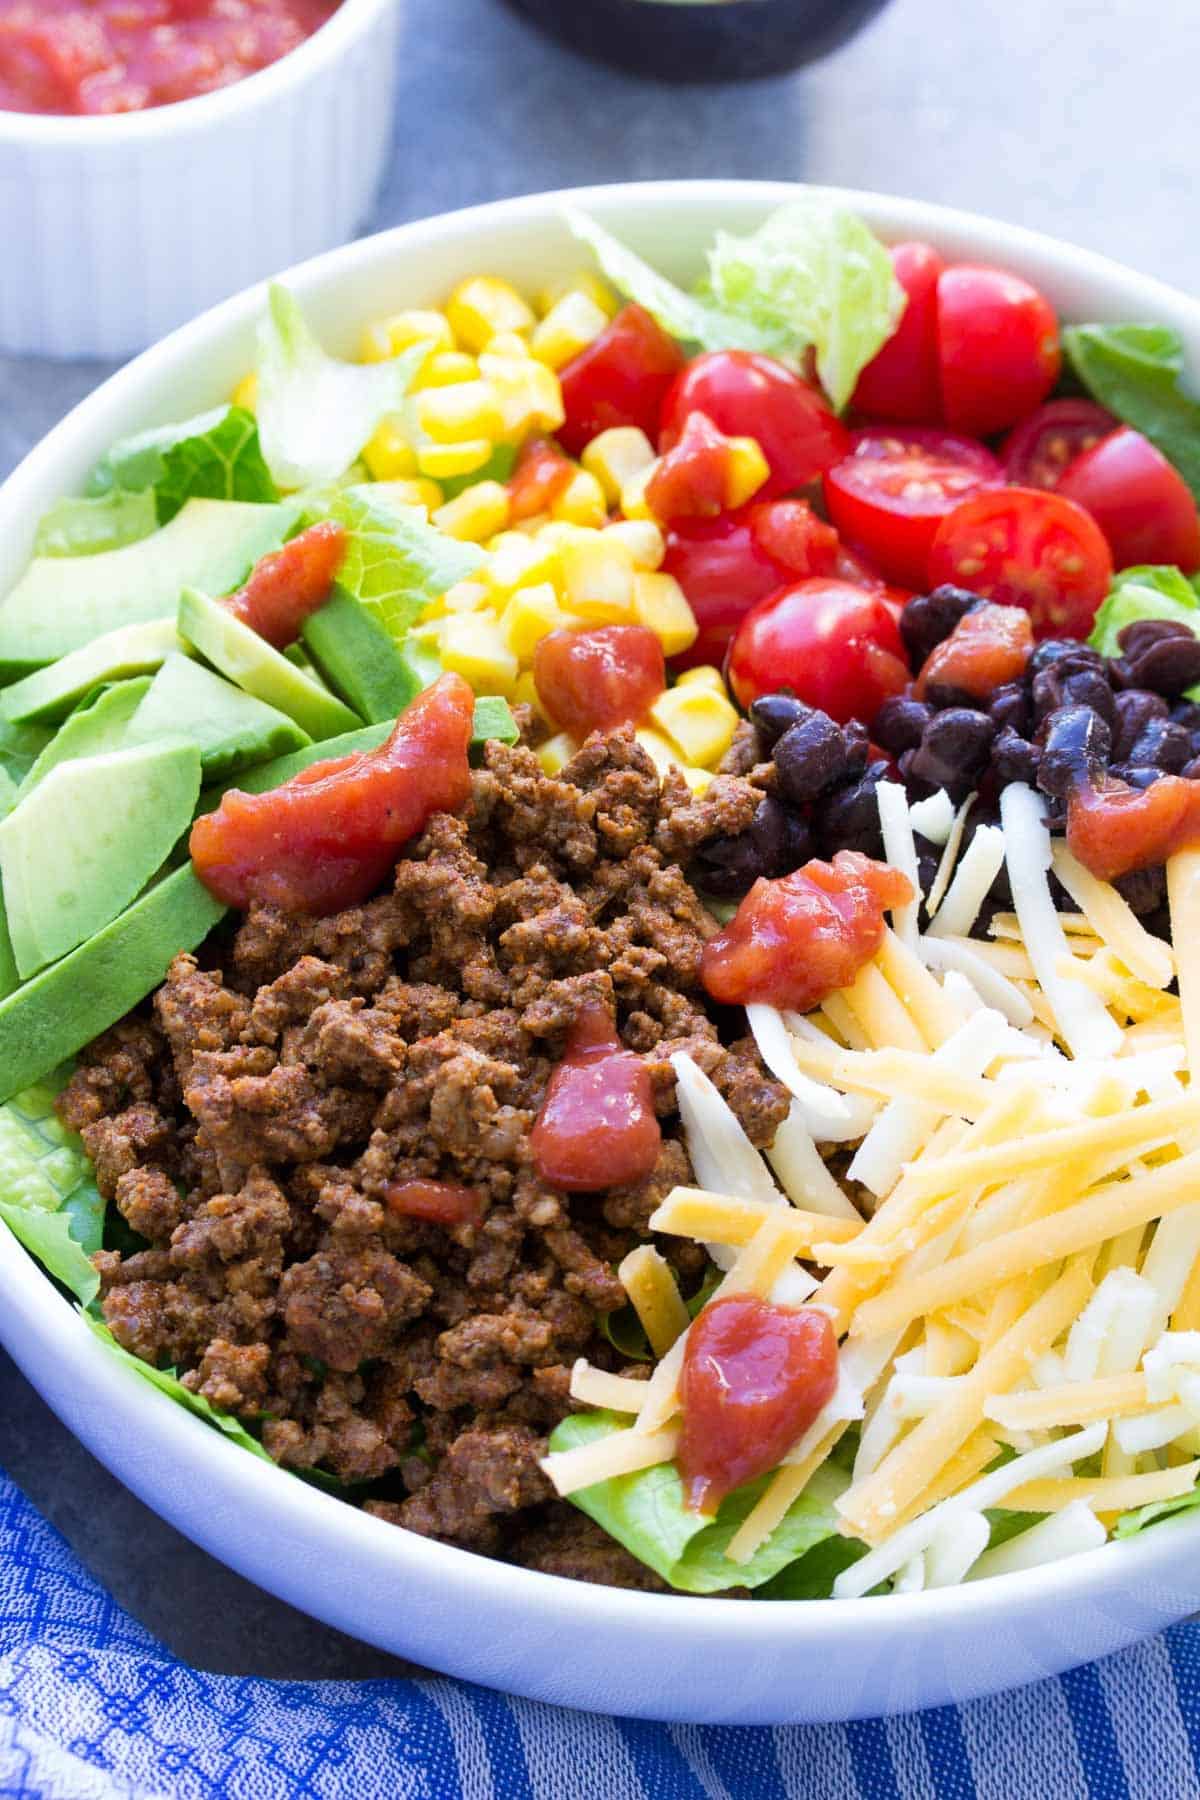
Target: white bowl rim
<point>33,1312</point>
<point>67,131</point>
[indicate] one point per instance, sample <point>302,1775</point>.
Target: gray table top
<point>1076,118</point>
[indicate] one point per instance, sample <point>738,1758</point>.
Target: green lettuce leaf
<point>646,1513</point>
<point>1136,371</point>
<point>314,412</point>
<point>1146,592</point>
<point>1130,1523</point>
<point>683,315</point>
<point>47,1196</point>
<point>168,1383</point>
<point>396,562</point>
<point>812,1576</point>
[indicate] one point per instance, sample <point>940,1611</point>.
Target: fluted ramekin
<point>119,228</point>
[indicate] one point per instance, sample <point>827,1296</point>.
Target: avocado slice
<point>91,730</point>
<point>69,1004</point>
<point>359,657</point>
<point>249,661</point>
<point>233,730</point>
<point>62,603</point>
<point>50,694</point>
<point>9,979</point>
<point>87,839</point>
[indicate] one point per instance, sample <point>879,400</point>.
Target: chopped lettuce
<point>47,1196</point>
<point>813,277</point>
<point>1130,1523</point>
<point>315,413</point>
<point>1146,592</point>
<point>646,1513</point>
<point>168,1383</point>
<point>1136,371</point>
<point>396,562</point>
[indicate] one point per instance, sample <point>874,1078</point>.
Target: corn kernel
<point>529,616</point>
<point>484,305</point>
<point>245,394</point>
<point>556,753</point>
<point>447,368</point>
<point>389,456</point>
<point>660,604</point>
<point>616,456</point>
<point>466,410</point>
<point>528,394</point>
<point>570,326</point>
<point>518,561</point>
<point>706,675</point>
<point>508,344</point>
<point>477,513</point>
<point>633,493</point>
<point>700,723</point>
<point>534,525</point>
<point>525,693</point>
<point>581,502</point>
<point>470,645</point>
<point>442,462</point>
<point>643,540</point>
<point>586,281</point>
<point>598,580</point>
<point>425,494</point>
<point>699,780</point>
<point>747,469</point>
<point>557,532</point>
<point>385,338</point>
<point>466,597</point>
<point>661,753</point>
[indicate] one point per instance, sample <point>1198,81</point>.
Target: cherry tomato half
<point>726,565</point>
<point>753,396</point>
<point>901,382</point>
<point>999,349</point>
<point>620,379</point>
<point>1142,505</point>
<point>835,646</point>
<point>1024,547</point>
<point>1037,451</point>
<point>894,489</point>
<point>595,680</point>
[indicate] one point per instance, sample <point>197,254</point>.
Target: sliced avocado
<point>87,839</point>
<point>233,730</point>
<point>359,657</point>
<point>66,1006</point>
<point>91,730</point>
<point>239,653</point>
<point>9,979</point>
<point>49,694</point>
<point>62,603</point>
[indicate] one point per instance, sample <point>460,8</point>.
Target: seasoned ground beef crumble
<point>248,1125</point>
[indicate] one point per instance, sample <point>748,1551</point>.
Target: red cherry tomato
<point>835,646</point>
<point>595,680</point>
<point>894,489</point>
<point>754,396</point>
<point>999,349</point>
<point>1142,505</point>
<point>1037,451</point>
<point>620,379</point>
<point>1023,547</point>
<point>901,381</point>
<point>726,565</point>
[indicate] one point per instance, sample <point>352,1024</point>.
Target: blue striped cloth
<point>92,1708</point>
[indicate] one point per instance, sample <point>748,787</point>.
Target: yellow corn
<point>484,305</point>
<point>585,282</point>
<point>508,344</point>
<point>747,470</point>
<point>471,645</point>
<point>660,604</point>
<point>642,539</point>
<point>706,675</point>
<point>246,392</point>
<point>699,722</point>
<point>518,561</point>
<point>525,693</point>
<point>633,493</point>
<point>662,753</point>
<point>459,413</point>
<point>466,597</point>
<point>479,512</point>
<point>389,456</point>
<point>616,456</point>
<point>597,580</point>
<point>442,462</point>
<point>385,338</point>
<point>697,779</point>
<point>570,326</point>
<point>529,616</point>
<point>447,368</point>
<point>425,494</point>
<point>581,501</point>
<point>527,393</point>
<point>556,752</point>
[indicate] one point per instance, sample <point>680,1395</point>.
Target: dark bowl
<point>681,40</point>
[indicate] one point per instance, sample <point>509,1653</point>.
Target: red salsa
<point>437,1202</point>
<point>287,586</point>
<point>597,1127</point>
<point>1114,828</point>
<point>596,680</point>
<point>120,56</point>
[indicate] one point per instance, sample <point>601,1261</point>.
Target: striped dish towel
<point>92,1708</point>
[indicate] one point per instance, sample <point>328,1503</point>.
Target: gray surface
<point>1077,118</point>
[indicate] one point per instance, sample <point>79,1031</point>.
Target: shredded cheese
<point>1183,897</point>
<point>901,852</point>
<point>1063,1534</point>
<point>993,988</point>
<point>622,1453</point>
<point>596,1387</point>
<point>976,871</point>
<point>933,818</point>
<point>949,857</point>
<point>650,1282</point>
<point>1069,1403</point>
<point>1105,1494</point>
<point>1114,921</point>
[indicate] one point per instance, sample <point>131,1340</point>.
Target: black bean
<point>1090,687</point>
<point>1009,705</point>
<point>772,714</point>
<point>1136,775</point>
<point>809,757</point>
<point>1066,654</point>
<point>1141,633</point>
<point>942,694</point>
<point>1075,743</point>
<point>776,841</point>
<point>900,722</point>
<point>1187,714</point>
<point>1013,758</point>
<point>1191,771</point>
<point>1166,665</point>
<point>1133,710</point>
<point>928,619</point>
<point>954,750</point>
<point>1144,889</point>
<point>782,836</point>
<point>858,746</point>
<point>1160,744</point>
<point>848,818</point>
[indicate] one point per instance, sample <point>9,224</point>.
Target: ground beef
<point>251,1121</point>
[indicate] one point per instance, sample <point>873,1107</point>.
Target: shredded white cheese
<point>977,869</point>
<point>901,852</point>
<point>933,818</point>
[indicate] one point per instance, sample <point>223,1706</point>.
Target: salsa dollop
<point>119,56</point>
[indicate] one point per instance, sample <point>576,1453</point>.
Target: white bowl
<point>119,228</point>
<point>538,1635</point>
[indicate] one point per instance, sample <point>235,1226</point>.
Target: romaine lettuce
<point>1130,1523</point>
<point>396,562</point>
<point>168,1383</point>
<point>1136,371</point>
<point>47,1196</point>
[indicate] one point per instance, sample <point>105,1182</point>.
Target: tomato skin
<point>998,347</point>
<point>327,838</point>
<point>1037,452</point>
<point>726,565</point>
<point>1140,502</point>
<point>595,680</point>
<point>620,379</point>
<point>894,489</point>
<point>837,647</point>
<point>1025,547</point>
<point>747,395</point>
<point>597,1127</point>
<point>902,381</point>
<point>541,474</point>
<point>754,1377</point>
<point>287,586</point>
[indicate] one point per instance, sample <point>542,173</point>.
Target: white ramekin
<point>117,229</point>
